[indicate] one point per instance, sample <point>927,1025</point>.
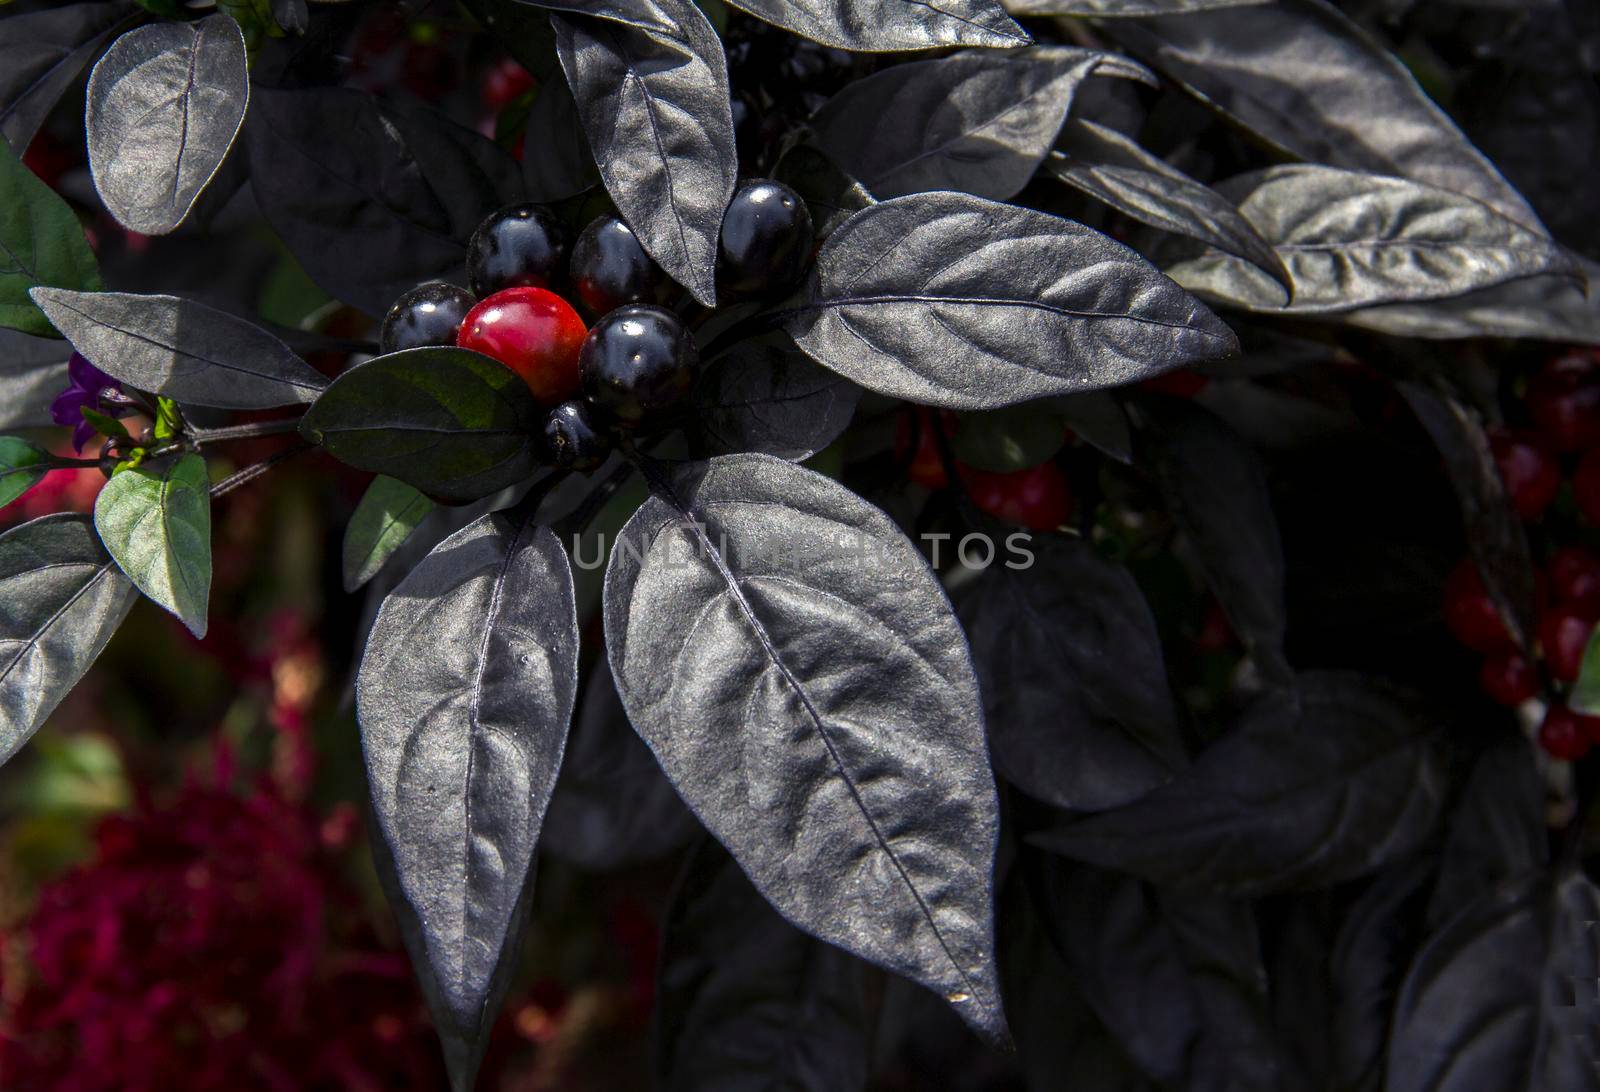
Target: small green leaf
<point>1585,697</point>
<point>389,511</point>
<point>155,521</point>
<point>169,420</point>
<point>41,243</point>
<point>105,424</point>
<point>22,466</point>
<point>1009,439</point>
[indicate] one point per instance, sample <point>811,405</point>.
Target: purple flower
<point>85,390</point>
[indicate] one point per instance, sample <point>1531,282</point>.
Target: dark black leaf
<point>372,200</point>
<point>1056,1031</point>
<point>979,121</point>
<point>524,30</point>
<point>774,400</point>
<point>1304,77</point>
<point>1495,536</point>
<point>1313,786</point>
<point>1072,676</point>
<point>1502,999</point>
<point>1100,421</point>
<point>1375,940</point>
<point>1216,489</point>
<point>292,15</point>
<point>452,423</point>
<point>1109,9</point>
<point>556,161</point>
<point>164,105</point>
<point>796,667</point>
<point>464,697</point>
<point>185,350</point>
<point>655,105</point>
<point>1354,240</point>
<point>1112,168</point>
<point>746,1000</point>
<point>612,805</point>
<point>952,300</point>
<point>33,370</point>
<point>1544,308</point>
<point>892,25</point>
<point>830,194</point>
<point>1496,830</point>
<point>63,597</point>
<point>42,52</point>
<point>1176,978</point>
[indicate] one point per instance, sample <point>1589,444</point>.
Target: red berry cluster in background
<point>1559,443</point>
<point>1037,497</point>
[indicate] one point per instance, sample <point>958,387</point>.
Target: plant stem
<point>64,462</point>
<point>249,431</point>
<point>255,470</point>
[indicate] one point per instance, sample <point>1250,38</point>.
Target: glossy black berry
<point>429,314</point>
<point>766,240</point>
<point>521,246</point>
<point>610,268</point>
<point>572,439</point>
<point>636,362</point>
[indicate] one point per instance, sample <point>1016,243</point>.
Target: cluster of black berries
<point>639,359</point>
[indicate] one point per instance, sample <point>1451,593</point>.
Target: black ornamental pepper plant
<point>1066,429</point>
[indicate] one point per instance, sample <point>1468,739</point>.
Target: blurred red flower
<point>210,944</point>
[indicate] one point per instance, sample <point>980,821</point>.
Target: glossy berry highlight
<point>428,315</point>
<point>520,246</point>
<point>573,440</point>
<point>766,240</point>
<point>610,267</point>
<point>638,362</point>
<point>533,332</point>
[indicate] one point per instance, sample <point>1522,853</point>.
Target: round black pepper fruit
<point>637,362</point>
<point>766,240</point>
<point>521,246</point>
<point>429,314</point>
<point>572,439</point>
<point>610,267</point>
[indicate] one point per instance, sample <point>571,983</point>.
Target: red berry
<point>1038,497</point>
<point>1508,678</point>
<point>504,83</point>
<point>1575,578</point>
<point>1564,734</point>
<point>925,468</point>
<point>1586,486</point>
<point>1563,635</point>
<point>1564,401</point>
<point>535,333</point>
<point>1470,614</point>
<point>1530,471</point>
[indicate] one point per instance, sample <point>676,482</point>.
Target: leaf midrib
<point>736,593</point>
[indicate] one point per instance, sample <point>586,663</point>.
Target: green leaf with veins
<point>155,520</point>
